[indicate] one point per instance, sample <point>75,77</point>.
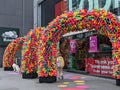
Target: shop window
<point>82,47</point>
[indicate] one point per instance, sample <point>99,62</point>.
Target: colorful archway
<point>29,53</point>
<point>102,21</point>
<point>10,52</point>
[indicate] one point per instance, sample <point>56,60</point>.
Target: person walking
<point>60,65</point>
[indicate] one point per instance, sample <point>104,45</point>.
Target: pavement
<point>10,80</point>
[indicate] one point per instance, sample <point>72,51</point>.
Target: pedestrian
<point>117,76</point>
<point>60,65</point>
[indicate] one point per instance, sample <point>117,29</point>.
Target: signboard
<point>93,45</point>
<point>100,66</point>
<point>72,46</point>
<point>93,4</point>
<point>7,35</point>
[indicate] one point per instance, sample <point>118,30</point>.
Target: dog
<point>16,68</point>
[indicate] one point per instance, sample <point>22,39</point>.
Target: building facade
<point>46,10</point>
<point>16,18</point>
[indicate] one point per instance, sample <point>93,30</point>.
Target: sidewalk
<point>10,80</point>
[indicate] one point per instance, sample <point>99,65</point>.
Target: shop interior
<point>82,48</point>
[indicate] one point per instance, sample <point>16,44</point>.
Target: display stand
<point>49,79</point>
<point>29,75</point>
<point>8,69</point>
<point>118,82</point>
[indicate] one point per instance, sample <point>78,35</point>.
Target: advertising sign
<point>72,46</point>
<point>93,4</point>
<point>7,35</point>
<point>100,66</point>
<point>93,45</point>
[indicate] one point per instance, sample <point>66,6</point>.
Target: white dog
<point>16,67</point>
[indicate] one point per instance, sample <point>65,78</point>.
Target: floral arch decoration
<point>30,51</point>
<point>11,50</point>
<point>102,21</point>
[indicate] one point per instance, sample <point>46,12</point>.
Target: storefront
<point>87,51</point>
<point>99,60</point>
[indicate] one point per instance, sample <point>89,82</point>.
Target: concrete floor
<point>10,80</point>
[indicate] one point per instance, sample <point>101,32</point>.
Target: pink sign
<point>72,46</point>
<point>93,44</point>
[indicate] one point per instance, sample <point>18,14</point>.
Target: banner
<point>100,66</point>
<point>72,46</point>
<point>93,47</point>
